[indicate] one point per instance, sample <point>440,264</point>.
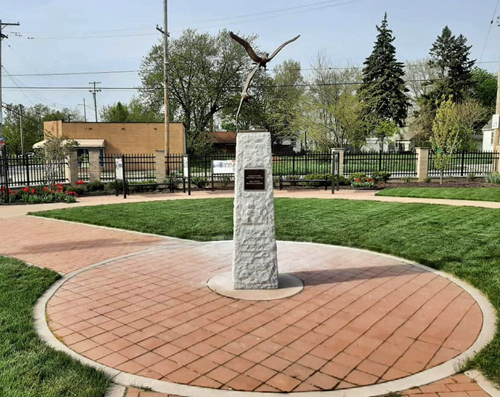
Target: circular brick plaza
<point>362,319</point>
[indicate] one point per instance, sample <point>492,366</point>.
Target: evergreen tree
<point>449,55</point>
<point>383,89</point>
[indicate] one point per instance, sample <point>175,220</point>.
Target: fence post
<point>160,166</point>
<point>72,168</point>
<point>94,165</point>
<point>422,163</point>
<point>341,153</point>
<point>380,160</point>
<point>463,163</point>
<point>293,164</point>
<point>26,160</point>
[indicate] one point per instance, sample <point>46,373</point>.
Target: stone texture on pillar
<point>160,166</point>
<point>94,164</point>
<point>255,263</point>
<point>72,168</point>
<point>422,163</point>
<point>341,153</point>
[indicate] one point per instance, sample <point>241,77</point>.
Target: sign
<point>119,169</point>
<point>496,121</point>
<point>185,166</point>
<point>223,166</point>
<point>255,179</point>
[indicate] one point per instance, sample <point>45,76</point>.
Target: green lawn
<point>28,367</point>
<point>459,240</point>
<point>454,193</point>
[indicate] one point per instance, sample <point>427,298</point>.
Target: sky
<point>68,36</point>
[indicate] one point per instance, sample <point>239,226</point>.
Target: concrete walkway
<point>19,210</point>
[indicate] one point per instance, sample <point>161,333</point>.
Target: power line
<point>74,73</point>
<point>287,13</point>
<point>75,88</point>
<point>489,29</point>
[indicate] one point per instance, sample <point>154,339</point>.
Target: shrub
<point>135,187</point>
<point>115,185</point>
<point>316,177</point>
<point>80,190</point>
<point>381,176</point>
<point>493,178</point>
<point>357,175</point>
<point>95,186</point>
<point>363,182</point>
<point>471,177</point>
<point>199,182</point>
<point>341,180</point>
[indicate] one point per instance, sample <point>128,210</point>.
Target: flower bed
<point>363,182</point>
<point>41,194</point>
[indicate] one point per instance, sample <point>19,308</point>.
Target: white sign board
<point>496,121</point>
<point>223,166</point>
<point>119,169</point>
<point>185,166</point>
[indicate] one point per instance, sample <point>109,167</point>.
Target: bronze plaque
<point>255,179</point>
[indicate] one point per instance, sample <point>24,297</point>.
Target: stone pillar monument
<point>255,263</point>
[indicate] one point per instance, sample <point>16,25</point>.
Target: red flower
<point>46,188</point>
<point>357,179</point>
<point>32,191</point>
<point>52,191</point>
<point>80,182</point>
<point>26,189</point>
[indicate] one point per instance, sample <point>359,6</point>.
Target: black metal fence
<point>462,164</point>
<point>138,167</point>
<point>398,164</point>
<point>32,170</point>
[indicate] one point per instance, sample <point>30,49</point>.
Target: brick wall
<point>123,138</point>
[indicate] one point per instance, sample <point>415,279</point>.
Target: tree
<point>449,56</point>
<point>419,76</point>
<point>331,112</point>
<point>383,85</point>
<point>56,150</point>
<point>133,112</point>
<point>33,118</point>
<point>385,130</point>
<point>206,73</point>
<point>484,88</point>
<point>445,138</point>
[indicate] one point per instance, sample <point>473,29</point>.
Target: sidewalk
<point>369,195</point>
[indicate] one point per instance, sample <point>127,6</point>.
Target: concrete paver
<point>362,319</point>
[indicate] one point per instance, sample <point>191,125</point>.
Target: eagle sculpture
<point>260,62</point>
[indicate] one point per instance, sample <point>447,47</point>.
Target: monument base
<point>288,285</point>
<point>255,260</point>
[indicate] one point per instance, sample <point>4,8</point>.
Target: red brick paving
<point>454,386</point>
<point>65,247</point>
<point>361,319</point>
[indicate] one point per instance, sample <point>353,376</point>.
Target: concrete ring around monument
<point>322,269</point>
<point>288,285</point>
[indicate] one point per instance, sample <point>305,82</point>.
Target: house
<point>118,138</point>
<point>488,135</point>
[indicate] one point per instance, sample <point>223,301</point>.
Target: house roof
<point>225,137</point>
<point>82,143</point>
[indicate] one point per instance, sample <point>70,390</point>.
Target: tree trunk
<point>441,174</point>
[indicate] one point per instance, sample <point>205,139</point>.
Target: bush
<point>471,177</point>
<point>79,189</point>
<point>135,187</point>
<point>493,178</point>
<point>199,182</point>
<point>381,176</point>
<point>116,185</point>
<point>341,180</point>
<point>363,182</point>
<point>357,175</point>
<point>95,186</point>
<point>316,177</point>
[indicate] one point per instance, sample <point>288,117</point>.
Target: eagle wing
<point>247,47</point>
<point>282,46</point>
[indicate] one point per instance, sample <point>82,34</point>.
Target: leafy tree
<point>133,112</point>
<point>385,130</point>
<point>33,118</point>
<point>330,111</point>
<point>484,88</point>
<point>56,150</point>
<point>383,85</point>
<point>206,73</point>
<point>449,56</point>
<point>445,139</point>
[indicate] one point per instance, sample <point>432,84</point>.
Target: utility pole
<point>84,109</point>
<point>21,127</point>
<point>164,31</point>
<point>94,92</point>
<point>2,36</point>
